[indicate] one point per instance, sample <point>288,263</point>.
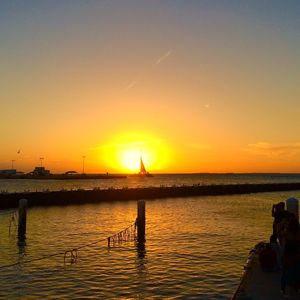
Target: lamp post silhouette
<point>83,158</point>
<point>12,163</point>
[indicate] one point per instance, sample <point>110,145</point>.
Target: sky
<point>191,86</point>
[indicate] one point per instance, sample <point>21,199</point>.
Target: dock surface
<point>263,285</point>
<point>256,284</point>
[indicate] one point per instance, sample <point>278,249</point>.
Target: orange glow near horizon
<point>123,153</point>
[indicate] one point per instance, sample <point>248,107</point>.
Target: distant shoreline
<point>123,175</point>
<point>63,176</point>
<point>81,176</point>
<point>65,197</point>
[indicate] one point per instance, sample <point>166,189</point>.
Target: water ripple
<point>195,249</point>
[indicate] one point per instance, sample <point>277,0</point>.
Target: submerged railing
<point>13,216</point>
<point>132,233</point>
<point>70,256</point>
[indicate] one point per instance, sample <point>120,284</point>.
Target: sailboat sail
<point>142,167</point>
<point>143,172</point>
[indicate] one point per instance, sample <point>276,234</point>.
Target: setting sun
<point>124,152</point>
<point>130,159</point>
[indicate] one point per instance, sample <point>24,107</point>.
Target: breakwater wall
<point>61,198</point>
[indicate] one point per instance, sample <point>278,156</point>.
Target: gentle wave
<point>195,248</point>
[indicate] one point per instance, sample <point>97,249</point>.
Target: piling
<point>22,219</point>
<point>141,221</point>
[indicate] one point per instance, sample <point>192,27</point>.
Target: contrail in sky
<point>158,61</point>
<point>163,57</point>
<point>130,85</point>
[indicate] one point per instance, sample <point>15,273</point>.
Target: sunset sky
<point>194,86</point>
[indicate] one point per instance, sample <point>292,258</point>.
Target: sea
<point>195,247</point>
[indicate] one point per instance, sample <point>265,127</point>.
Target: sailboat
<point>143,172</point>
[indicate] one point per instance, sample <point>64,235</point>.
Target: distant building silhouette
<point>40,171</point>
<point>8,172</point>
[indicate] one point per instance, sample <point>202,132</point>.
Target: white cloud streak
<point>130,85</point>
<point>163,57</point>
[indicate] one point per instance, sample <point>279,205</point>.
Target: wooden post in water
<point>22,219</point>
<point>141,221</point>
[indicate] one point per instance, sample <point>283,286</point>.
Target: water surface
<point>195,249</point>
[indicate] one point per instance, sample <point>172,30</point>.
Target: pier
<point>66,197</point>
